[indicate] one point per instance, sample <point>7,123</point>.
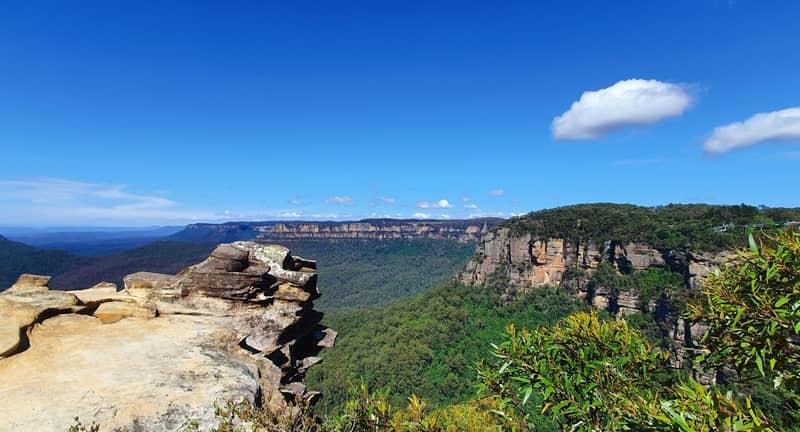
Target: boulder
<point>113,311</point>
<point>28,283</point>
<point>102,292</point>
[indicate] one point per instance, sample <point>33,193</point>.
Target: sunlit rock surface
<point>238,326</point>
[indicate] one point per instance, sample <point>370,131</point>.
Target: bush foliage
<point>597,375</point>
<point>752,309</point>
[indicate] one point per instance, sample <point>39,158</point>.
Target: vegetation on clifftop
<point>674,226</point>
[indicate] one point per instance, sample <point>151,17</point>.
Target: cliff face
<point>379,229</point>
<point>365,230</point>
<point>531,262</point>
<point>237,326</point>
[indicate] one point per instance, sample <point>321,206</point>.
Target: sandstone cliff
<point>379,229</point>
<point>237,326</point>
<point>530,261</point>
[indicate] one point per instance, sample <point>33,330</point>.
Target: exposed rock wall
<point>531,261</point>
<point>238,326</point>
<point>366,230</point>
<point>378,229</point>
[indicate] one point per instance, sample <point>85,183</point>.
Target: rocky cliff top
<point>238,326</point>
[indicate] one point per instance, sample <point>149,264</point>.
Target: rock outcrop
<point>238,326</point>
<point>530,261</point>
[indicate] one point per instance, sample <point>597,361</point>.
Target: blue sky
<point>142,113</point>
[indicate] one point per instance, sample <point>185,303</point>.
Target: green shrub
<point>597,375</point>
<point>752,309</point>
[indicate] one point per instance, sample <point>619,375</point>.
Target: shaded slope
<point>17,258</point>
<point>160,257</point>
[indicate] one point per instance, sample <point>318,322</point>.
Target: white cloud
<point>388,200</point>
<point>627,103</point>
<point>465,198</point>
<point>497,192</point>
<point>296,202</point>
<point>291,214</point>
<point>783,125</point>
<point>421,215</point>
<point>470,206</point>
<point>58,201</point>
<point>55,190</point>
<point>344,200</point>
<point>444,216</point>
<point>443,203</point>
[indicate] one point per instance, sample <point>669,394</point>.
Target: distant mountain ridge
<point>88,241</point>
<point>462,230</point>
<point>17,258</point>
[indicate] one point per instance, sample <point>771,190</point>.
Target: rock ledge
<point>238,326</point>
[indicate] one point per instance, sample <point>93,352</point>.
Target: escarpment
<point>238,326</point>
<point>529,261</point>
<point>532,261</point>
<point>375,229</point>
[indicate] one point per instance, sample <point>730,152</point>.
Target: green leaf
<point>752,242</point>
<point>760,364</point>
<point>781,301</point>
<point>528,391</point>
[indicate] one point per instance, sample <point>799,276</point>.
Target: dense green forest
<point>359,273</point>
<point>428,345</point>
<point>674,226</point>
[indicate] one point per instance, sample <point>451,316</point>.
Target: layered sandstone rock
<point>377,229</point>
<point>237,326</point>
<point>449,230</point>
<point>530,261</point>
